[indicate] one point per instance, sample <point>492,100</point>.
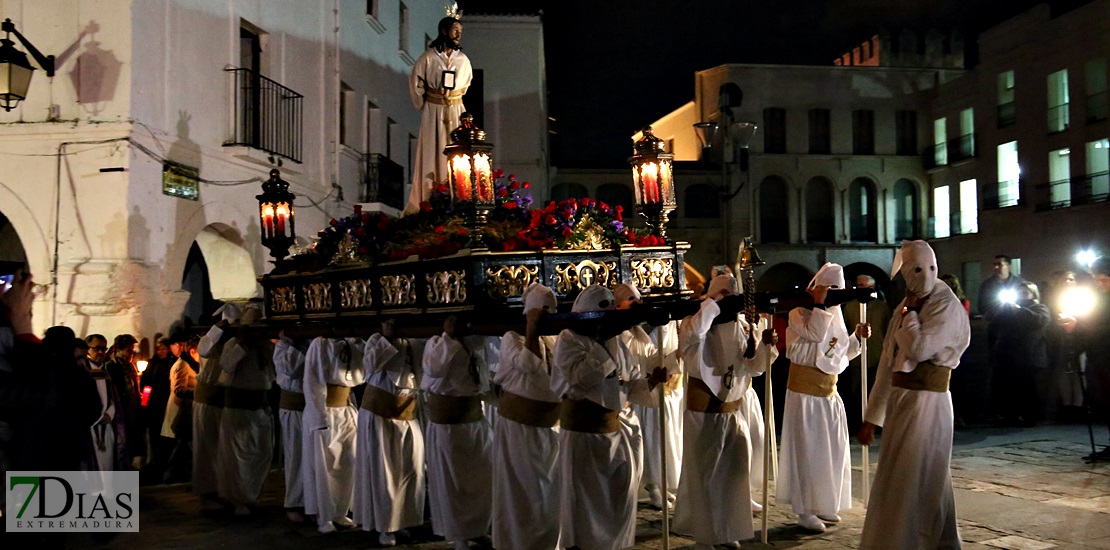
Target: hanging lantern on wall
<point>275,214</point>
<point>652,181</point>
<point>471,176</point>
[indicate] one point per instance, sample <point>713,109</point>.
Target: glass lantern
<point>652,181</point>
<point>471,176</point>
<point>275,214</point>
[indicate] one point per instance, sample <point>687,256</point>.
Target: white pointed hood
<point>917,263</point>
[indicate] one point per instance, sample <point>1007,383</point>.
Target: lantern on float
<point>275,215</point>
<point>652,181</point>
<point>471,177</point>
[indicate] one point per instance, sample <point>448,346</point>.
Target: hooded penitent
<point>625,293</point>
<point>537,296</point>
<point>832,357</point>
<point>724,281</point>
<point>917,263</point>
<point>593,298</point>
<point>229,312</point>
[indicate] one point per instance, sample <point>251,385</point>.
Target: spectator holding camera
<point>1019,358</point>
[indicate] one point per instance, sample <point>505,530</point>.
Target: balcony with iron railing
<point>383,182</point>
<point>935,156</point>
<point>1088,189</point>
<point>905,229</point>
<point>1059,118</point>
<point>961,148</point>
<point>1098,106</point>
<point>1007,114</point>
<point>1003,194</point>
<point>267,116</point>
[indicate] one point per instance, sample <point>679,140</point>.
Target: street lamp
<point>15,70</point>
<point>471,184</point>
<point>653,182</point>
<point>275,214</point>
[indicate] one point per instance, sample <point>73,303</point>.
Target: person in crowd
<point>208,406</point>
<point>1092,335</point>
<point>332,367</point>
<point>912,505</point>
<point>1064,357</point>
<point>815,464</point>
<point>990,291</point>
<point>157,378</point>
<point>714,487</point>
<point>389,480</point>
<point>289,358</point>
<point>246,432</point>
<point>645,352</point>
<point>848,384</point>
<point>178,423</point>
<point>1019,359</point>
<point>109,432</point>
<point>125,378</point>
<point>526,437</point>
<point>953,283</point>
<point>600,442</point>
<point>458,436</point>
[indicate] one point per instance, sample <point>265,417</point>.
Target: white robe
<point>525,458</point>
<point>389,480</point>
<point>289,367</point>
<point>329,432</point>
<point>429,167</point>
<point>644,350</point>
<point>815,465</point>
<point>206,418</point>
<point>600,472</point>
<point>246,442</point>
<point>912,505</point>
<point>104,435</point>
<point>458,455</point>
<point>714,493</point>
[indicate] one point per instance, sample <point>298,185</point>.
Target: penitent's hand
<point>450,325</point>
<point>770,337</point>
<point>819,293</point>
<point>866,433</point>
<point>863,331</point>
<point>387,328</point>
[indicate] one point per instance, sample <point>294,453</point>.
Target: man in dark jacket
<point>1019,360</point>
<point>1093,336</point>
<point>125,378</point>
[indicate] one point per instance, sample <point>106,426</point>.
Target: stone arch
<point>863,205</point>
<point>615,194</point>
<point>820,211</point>
<point>568,190</point>
<point>774,211</point>
<point>784,276</point>
<point>29,230</point>
<point>906,209</point>
<point>218,268</point>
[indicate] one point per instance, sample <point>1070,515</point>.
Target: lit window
<point>941,212</point>
<point>1058,119</point>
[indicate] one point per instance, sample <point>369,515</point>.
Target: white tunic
<point>600,472</point>
<point>644,350</point>
<point>289,367</point>
<point>525,458</point>
<point>458,455</point>
<point>389,480</point>
<point>104,435</point>
<point>815,466</point>
<point>429,167</point>
<point>206,418</point>
<point>246,442</point>
<point>912,504</point>
<point>329,432</point>
<point>714,493</point>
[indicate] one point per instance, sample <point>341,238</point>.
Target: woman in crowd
<point>1020,359</point>
<point>953,282</point>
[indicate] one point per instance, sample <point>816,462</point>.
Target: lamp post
<point>653,181</point>
<point>275,215</point>
<point>738,135</point>
<point>471,184</point>
<point>15,70</point>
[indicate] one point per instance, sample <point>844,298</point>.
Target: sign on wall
<point>180,181</point>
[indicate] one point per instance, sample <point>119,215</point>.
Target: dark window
<point>615,194</point>
<point>564,191</point>
<point>863,132</point>
<point>819,132</point>
<point>774,221</point>
<point>774,135</point>
<point>702,201</point>
<point>820,223</point>
<point>372,8</point>
<point>905,132</point>
<point>861,211</point>
<point>403,29</point>
<point>905,210</point>
<point>346,94</point>
<point>390,125</point>
<point>475,98</point>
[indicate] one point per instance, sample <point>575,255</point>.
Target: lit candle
<point>485,184</point>
<point>665,187</point>
<point>282,214</point>
<point>649,175</point>
<point>146,393</point>
<point>460,169</point>
<point>268,220</point>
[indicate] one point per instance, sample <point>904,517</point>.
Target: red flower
<point>439,229</point>
<point>498,173</point>
<point>514,185</point>
<point>567,232</point>
<point>568,214</point>
<point>502,193</point>
<point>549,220</point>
<point>441,188</point>
<point>425,207</point>
<point>334,222</point>
<point>526,185</point>
<point>360,231</point>
<point>508,245</point>
<point>512,176</point>
<point>510,204</point>
<point>363,250</point>
<point>573,202</point>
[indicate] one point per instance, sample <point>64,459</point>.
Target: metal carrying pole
<point>768,443</point>
<point>663,443</point>
<point>866,450</point>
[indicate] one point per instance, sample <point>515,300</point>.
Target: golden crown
<point>453,11</point>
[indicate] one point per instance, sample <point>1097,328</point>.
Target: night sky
<point>616,65</point>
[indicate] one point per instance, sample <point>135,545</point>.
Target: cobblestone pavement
<point>1024,489</point>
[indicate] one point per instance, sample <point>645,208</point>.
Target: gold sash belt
<point>811,381</point>
<point>527,411</point>
<point>443,99</point>
<point>387,405</point>
<point>291,401</point>
<point>208,394</point>
<point>239,398</point>
<point>453,409</point>
<point>701,399</point>
<point>338,396</point>
<point>925,377</point>
<point>583,415</point>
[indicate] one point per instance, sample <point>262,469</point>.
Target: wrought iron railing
<point>1058,118</point>
<point>1098,106</point>
<point>1052,195</point>
<point>1001,195</point>
<point>935,155</point>
<point>1007,114</point>
<point>961,148</point>
<point>383,182</point>
<point>267,115</point>
<point>905,229</point>
<point>1087,189</point>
